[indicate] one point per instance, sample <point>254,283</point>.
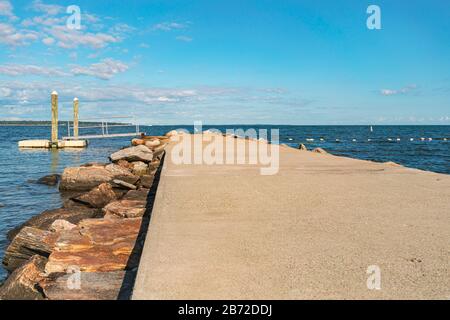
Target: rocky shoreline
<point>90,247</point>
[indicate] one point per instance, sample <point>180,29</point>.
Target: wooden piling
<point>54,138</point>
<point>75,118</point>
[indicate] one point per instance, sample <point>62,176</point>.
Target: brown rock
<point>23,282</point>
<point>96,245</point>
<point>137,142</point>
<point>319,150</point>
<point>28,242</point>
<point>153,166</point>
<point>124,164</point>
<point>45,219</point>
<point>86,178</point>
<point>113,285</point>
<point>98,197</point>
<point>125,209</point>
<point>140,194</point>
<point>158,152</point>
<point>147,181</point>
<point>152,143</point>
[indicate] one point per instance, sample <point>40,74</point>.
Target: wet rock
<point>319,150</point>
<point>49,180</point>
<point>140,194</point>
<point>123,184</point>
<point>95,286</point>
<point>98,197</point>
<point>125,209</point>
<point>22,284</point>
<point>96,245</point>
<point>61,225</point>
<point>45,219</point>
<point>302,147</point>
<point>139,168</point>
<point>147,181</point>
<point>27,243</point>
<point>137,153</point>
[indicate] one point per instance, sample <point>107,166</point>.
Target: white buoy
<point>389,139</point>
<point>445,139</point>
<point>369,140</point>
<point>430,139</point>
<point>309,139</point>
<point>321,139</point>
<point>337,140</point>
<point>411,139</point>
<point>398,139</point>
<point>290,139</point>
<point>371,129</point>
<point>423,139</point>
<point>354,140</point>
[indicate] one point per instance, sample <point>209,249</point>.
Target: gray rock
<point>137,153</point>
<point>120,183</point>
<point>139,168</point>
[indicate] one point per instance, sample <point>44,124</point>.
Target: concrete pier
<point>323,227</point>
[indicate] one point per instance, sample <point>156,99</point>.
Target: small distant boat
<point>290,139</point>
<point>398,139</point>
<point>321,139</point>
<point>371,129</point>
<point>389,139</point>
<point>411,139</point>
<point>354,140</point>
<point>309,139</point>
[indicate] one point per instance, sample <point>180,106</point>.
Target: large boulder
<point>45,219</point>
<point>112,285</point>
<point>137,153</point>
<point>125,209</point>
<point>28,242</point>
<point>23,282</point>
<point>98,197</point>
<point>96,245</point>
<point>86,178</point>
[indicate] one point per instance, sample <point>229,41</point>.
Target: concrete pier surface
<point>319,229</point>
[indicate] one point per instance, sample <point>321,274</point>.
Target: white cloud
<point>70,39</point>
<point>20,70</point>
<point>184,38</point>
<point>169,26</point>
<point>105,69</point>
<point>405,90</point>
<point>6,9</point>
<point>12,37</point>
<point>49,9</point>
<point>48,41</point>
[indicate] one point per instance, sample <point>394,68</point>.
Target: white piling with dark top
<point>54,142</point>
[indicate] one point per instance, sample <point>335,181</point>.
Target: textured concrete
<point>311,231</point>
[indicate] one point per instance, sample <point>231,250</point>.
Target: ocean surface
<point>20,199</point>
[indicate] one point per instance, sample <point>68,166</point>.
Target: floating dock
<point>55,142</point>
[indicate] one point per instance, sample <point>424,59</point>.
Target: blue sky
<point>228,62</point>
